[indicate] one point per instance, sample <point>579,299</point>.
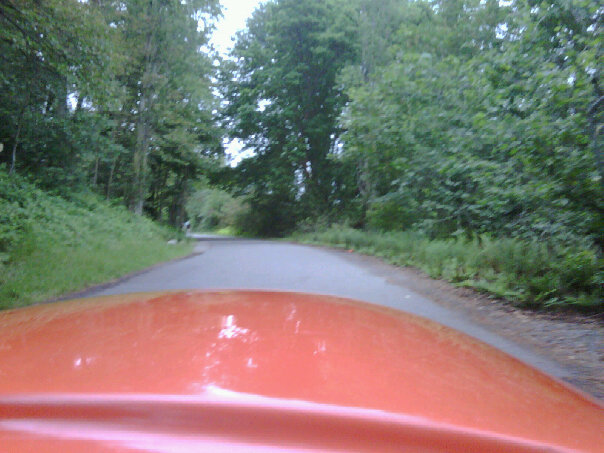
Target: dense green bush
<point>527,272</point>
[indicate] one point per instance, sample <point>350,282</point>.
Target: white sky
<point>235,13</point>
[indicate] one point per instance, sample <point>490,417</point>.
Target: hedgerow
<point>532,273</point>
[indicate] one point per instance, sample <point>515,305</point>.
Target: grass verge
<point>50,246</point>
<point>527,273</point>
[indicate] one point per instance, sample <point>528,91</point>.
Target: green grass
<point>50,246</point>
<point>526,273</point>
<point>54,269</point>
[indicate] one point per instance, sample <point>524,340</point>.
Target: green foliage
<point>391,212</point>
<point>457,116</point>
<point>111,96</point>
<point>526,272</point>
<point>168,102</point>
<point>484,126</point>
<point>283,102</point>
<point>214,209</point>
<point>50,245</point>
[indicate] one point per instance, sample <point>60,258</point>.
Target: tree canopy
<point>111,96</point>
<point>451,117</point>
<point>283,101</point>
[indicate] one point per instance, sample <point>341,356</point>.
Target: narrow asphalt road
<point>252,264</point>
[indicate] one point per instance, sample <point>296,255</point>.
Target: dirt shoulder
<point>573,340</point>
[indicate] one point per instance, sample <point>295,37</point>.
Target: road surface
<point>253,264</point>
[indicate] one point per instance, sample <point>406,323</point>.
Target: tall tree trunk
<point>96,172</point>
<point>62,99</point>
<point>140,157</point>
<point>113,165</point>
<point>176,216</point>
<point>13,162</point>
<point>80,102</point>
<point>110,179</point>
<point>595,116</point>
<point>142,132</point>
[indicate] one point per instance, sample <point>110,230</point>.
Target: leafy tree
<point>486,129</point>
<point>167,81</point>
<point>283,101</point>
<point>48,49</point>
<point>112,96</point>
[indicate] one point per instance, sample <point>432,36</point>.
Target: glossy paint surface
<point>240,371</point>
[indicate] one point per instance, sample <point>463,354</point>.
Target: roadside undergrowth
<point>528,273</point>
<point>51,246</point>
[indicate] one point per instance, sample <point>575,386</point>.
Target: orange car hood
<point>247,371</point>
